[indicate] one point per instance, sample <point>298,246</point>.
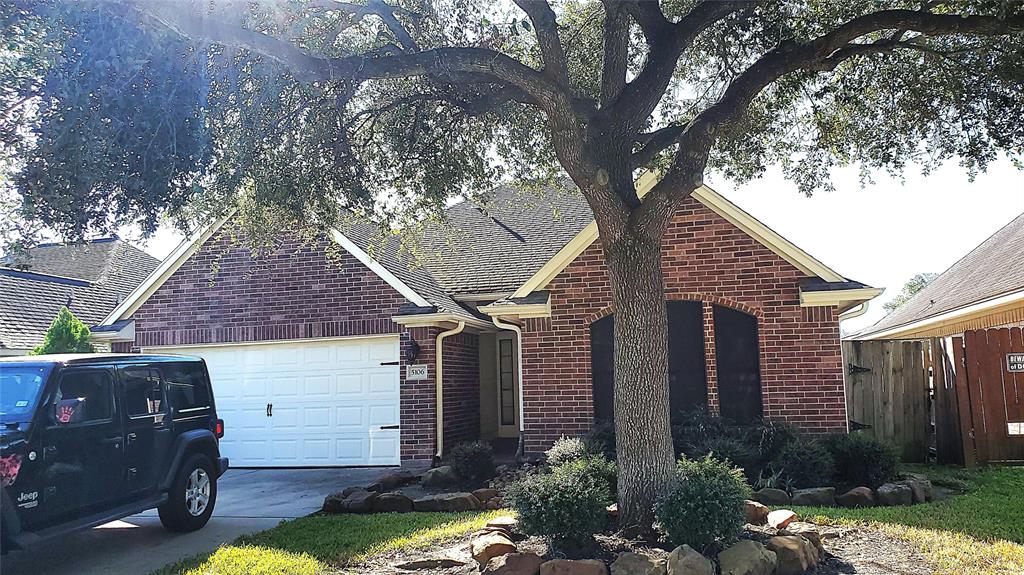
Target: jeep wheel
<point>192,496</point>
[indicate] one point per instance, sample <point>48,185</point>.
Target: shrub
<point>598,467</point>
<point>566,506</point>
<point>726,448</point>
<point>804,463</point>
<point>601,439</point>
<point>473,461</point>
<point>66,334</point>
<point>566,449</point>
<point>705,509</point>
<point>862,460</point>
<point>770,437</point>
<point>693,427</point>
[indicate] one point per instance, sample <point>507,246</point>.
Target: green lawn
<point>980,532</point>
<point>325,543</point>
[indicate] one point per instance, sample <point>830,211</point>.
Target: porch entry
<point>737,366</point>
<point>499,386</point>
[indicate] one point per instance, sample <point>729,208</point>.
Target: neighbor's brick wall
<point>461,400</point>
<point>706,259</point>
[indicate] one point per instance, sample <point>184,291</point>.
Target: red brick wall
<point>417,412</point>
<point>461,401</point>
<point>706,259</point>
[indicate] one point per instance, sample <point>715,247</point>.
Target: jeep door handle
<point>115,441</point>
<point>132,437</point>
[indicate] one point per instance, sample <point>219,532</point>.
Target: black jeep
<point>87,439</point>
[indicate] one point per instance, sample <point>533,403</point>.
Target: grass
<point>979,532</point>
<point>320,544</point>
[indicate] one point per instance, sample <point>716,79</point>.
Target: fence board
<point>963,401</point>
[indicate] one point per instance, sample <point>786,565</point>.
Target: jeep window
<point>143,391</point>
<point>187,388</point>
<point>20,388</point>
<point>84,396</point>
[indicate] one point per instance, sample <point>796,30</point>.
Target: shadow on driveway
<point>248,500</point>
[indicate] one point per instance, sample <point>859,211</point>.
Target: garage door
<point>317,403</point>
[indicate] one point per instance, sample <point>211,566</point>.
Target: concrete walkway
<point>247,501</point>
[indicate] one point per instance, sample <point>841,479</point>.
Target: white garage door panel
<point>330,400</point>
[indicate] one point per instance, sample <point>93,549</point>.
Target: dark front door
<point>147,425</point>
<point>739,370</point>
<point>686,368</point>
<point>83,445</point>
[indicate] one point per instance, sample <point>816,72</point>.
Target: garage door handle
<point>270,410</point>
<point>390,362</point>
<point>390,426</point>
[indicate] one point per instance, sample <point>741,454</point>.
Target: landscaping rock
<point>392,480</point>
<point>392,502</point>
<point>570,567</point>
<point>506,523</point>
<point>440,477</point>
<point>686,561</point>
<point>780,518</point>
<point>772,496</point>
<point>514,564</point>
<point>636,564</point>
<point>808,531</point>
<point>359,502</point>
<point>494,504</point>
<point>747,558</point>
<point>795,555</point>
<point>485,495</point>
<point>857,497</point>
<point>920,486</point>
<point>447,502</point>
<point>350,490</point>
<point>490,545</point>
<point>895,494</point>
<point>444,563</point>
<point>757,513</point>
<point>815,497</point>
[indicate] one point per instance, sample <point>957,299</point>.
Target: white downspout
<point>855,312</point>
<point>438,388</point>
<point>519,368</point>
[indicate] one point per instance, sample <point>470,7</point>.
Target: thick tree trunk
<point>642,430</point>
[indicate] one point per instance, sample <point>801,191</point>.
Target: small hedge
<point>862,460</point>
<point>705,510</point>
<point>734,451</point>
<point>566,506</point>
<point>566,449</point>
<point>473,461</point>
<point>803,464</point>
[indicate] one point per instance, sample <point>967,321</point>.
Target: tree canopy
<point>913,285</point>
<point>67,334</point>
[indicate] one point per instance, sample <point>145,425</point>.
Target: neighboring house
<point>90,278</point>
<point>985,289</point>
<point>324,362</point>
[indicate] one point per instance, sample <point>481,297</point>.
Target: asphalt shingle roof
<point>994,268</point>
<point>90,278</point>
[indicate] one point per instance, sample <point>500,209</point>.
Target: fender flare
<point>202,440</point>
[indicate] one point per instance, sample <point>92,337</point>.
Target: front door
<point>83,445</point>
<point>147,425</point>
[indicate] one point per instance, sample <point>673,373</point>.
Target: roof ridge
<point>42,276</point>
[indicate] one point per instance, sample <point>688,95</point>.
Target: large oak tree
<point>120,111</point>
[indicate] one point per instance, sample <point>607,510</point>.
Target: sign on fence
<point>1015,362</point>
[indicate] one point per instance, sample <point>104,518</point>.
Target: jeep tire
<point>192,495</point>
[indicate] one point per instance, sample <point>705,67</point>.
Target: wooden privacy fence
<point>962,395</point>
<point>887,393</point>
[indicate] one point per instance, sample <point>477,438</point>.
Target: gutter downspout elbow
<point>856,312</point>
<point>438,385</point>
<point>520,449</point>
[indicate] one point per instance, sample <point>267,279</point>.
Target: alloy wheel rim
<point>197,492</point>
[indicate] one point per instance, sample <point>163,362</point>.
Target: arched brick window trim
<point>688,296</point>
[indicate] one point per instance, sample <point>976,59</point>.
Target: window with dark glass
<point>143,391</point>
<point>84,396</point>
<point>507,379</point>
<point>187,387</point>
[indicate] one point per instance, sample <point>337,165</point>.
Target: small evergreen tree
<point>67,334</point>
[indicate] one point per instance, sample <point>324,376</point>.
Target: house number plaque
<point>1015,362</point>
<point>415,372</point>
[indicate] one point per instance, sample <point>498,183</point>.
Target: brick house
<point>327,356</point>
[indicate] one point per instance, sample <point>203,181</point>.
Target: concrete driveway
<point>248,500</point>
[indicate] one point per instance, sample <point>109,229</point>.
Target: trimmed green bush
<point>66,334</point>
<point>598,467</point>
<point>566,506</point>
<point>804,463</point>
<point>566,449</point>
<point>473,461</point>
<point>705,509</point>
<point>862,460</point>
<point>726,448</point>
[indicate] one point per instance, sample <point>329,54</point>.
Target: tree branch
<point>616,51</point>
<point>378,8</point>
<point>546,29</point>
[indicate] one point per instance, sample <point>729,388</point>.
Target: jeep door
<point>82,445</point>
<point>147,425</point>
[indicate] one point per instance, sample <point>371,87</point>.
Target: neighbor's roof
<point>90,278</point>
<point>991,271</point>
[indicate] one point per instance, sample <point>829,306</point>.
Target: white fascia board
<point>959,314</point>
<point>392,280</point>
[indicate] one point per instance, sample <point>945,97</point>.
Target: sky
<point>881,234</point>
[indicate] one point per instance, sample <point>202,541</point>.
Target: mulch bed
<point>850,550</point>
